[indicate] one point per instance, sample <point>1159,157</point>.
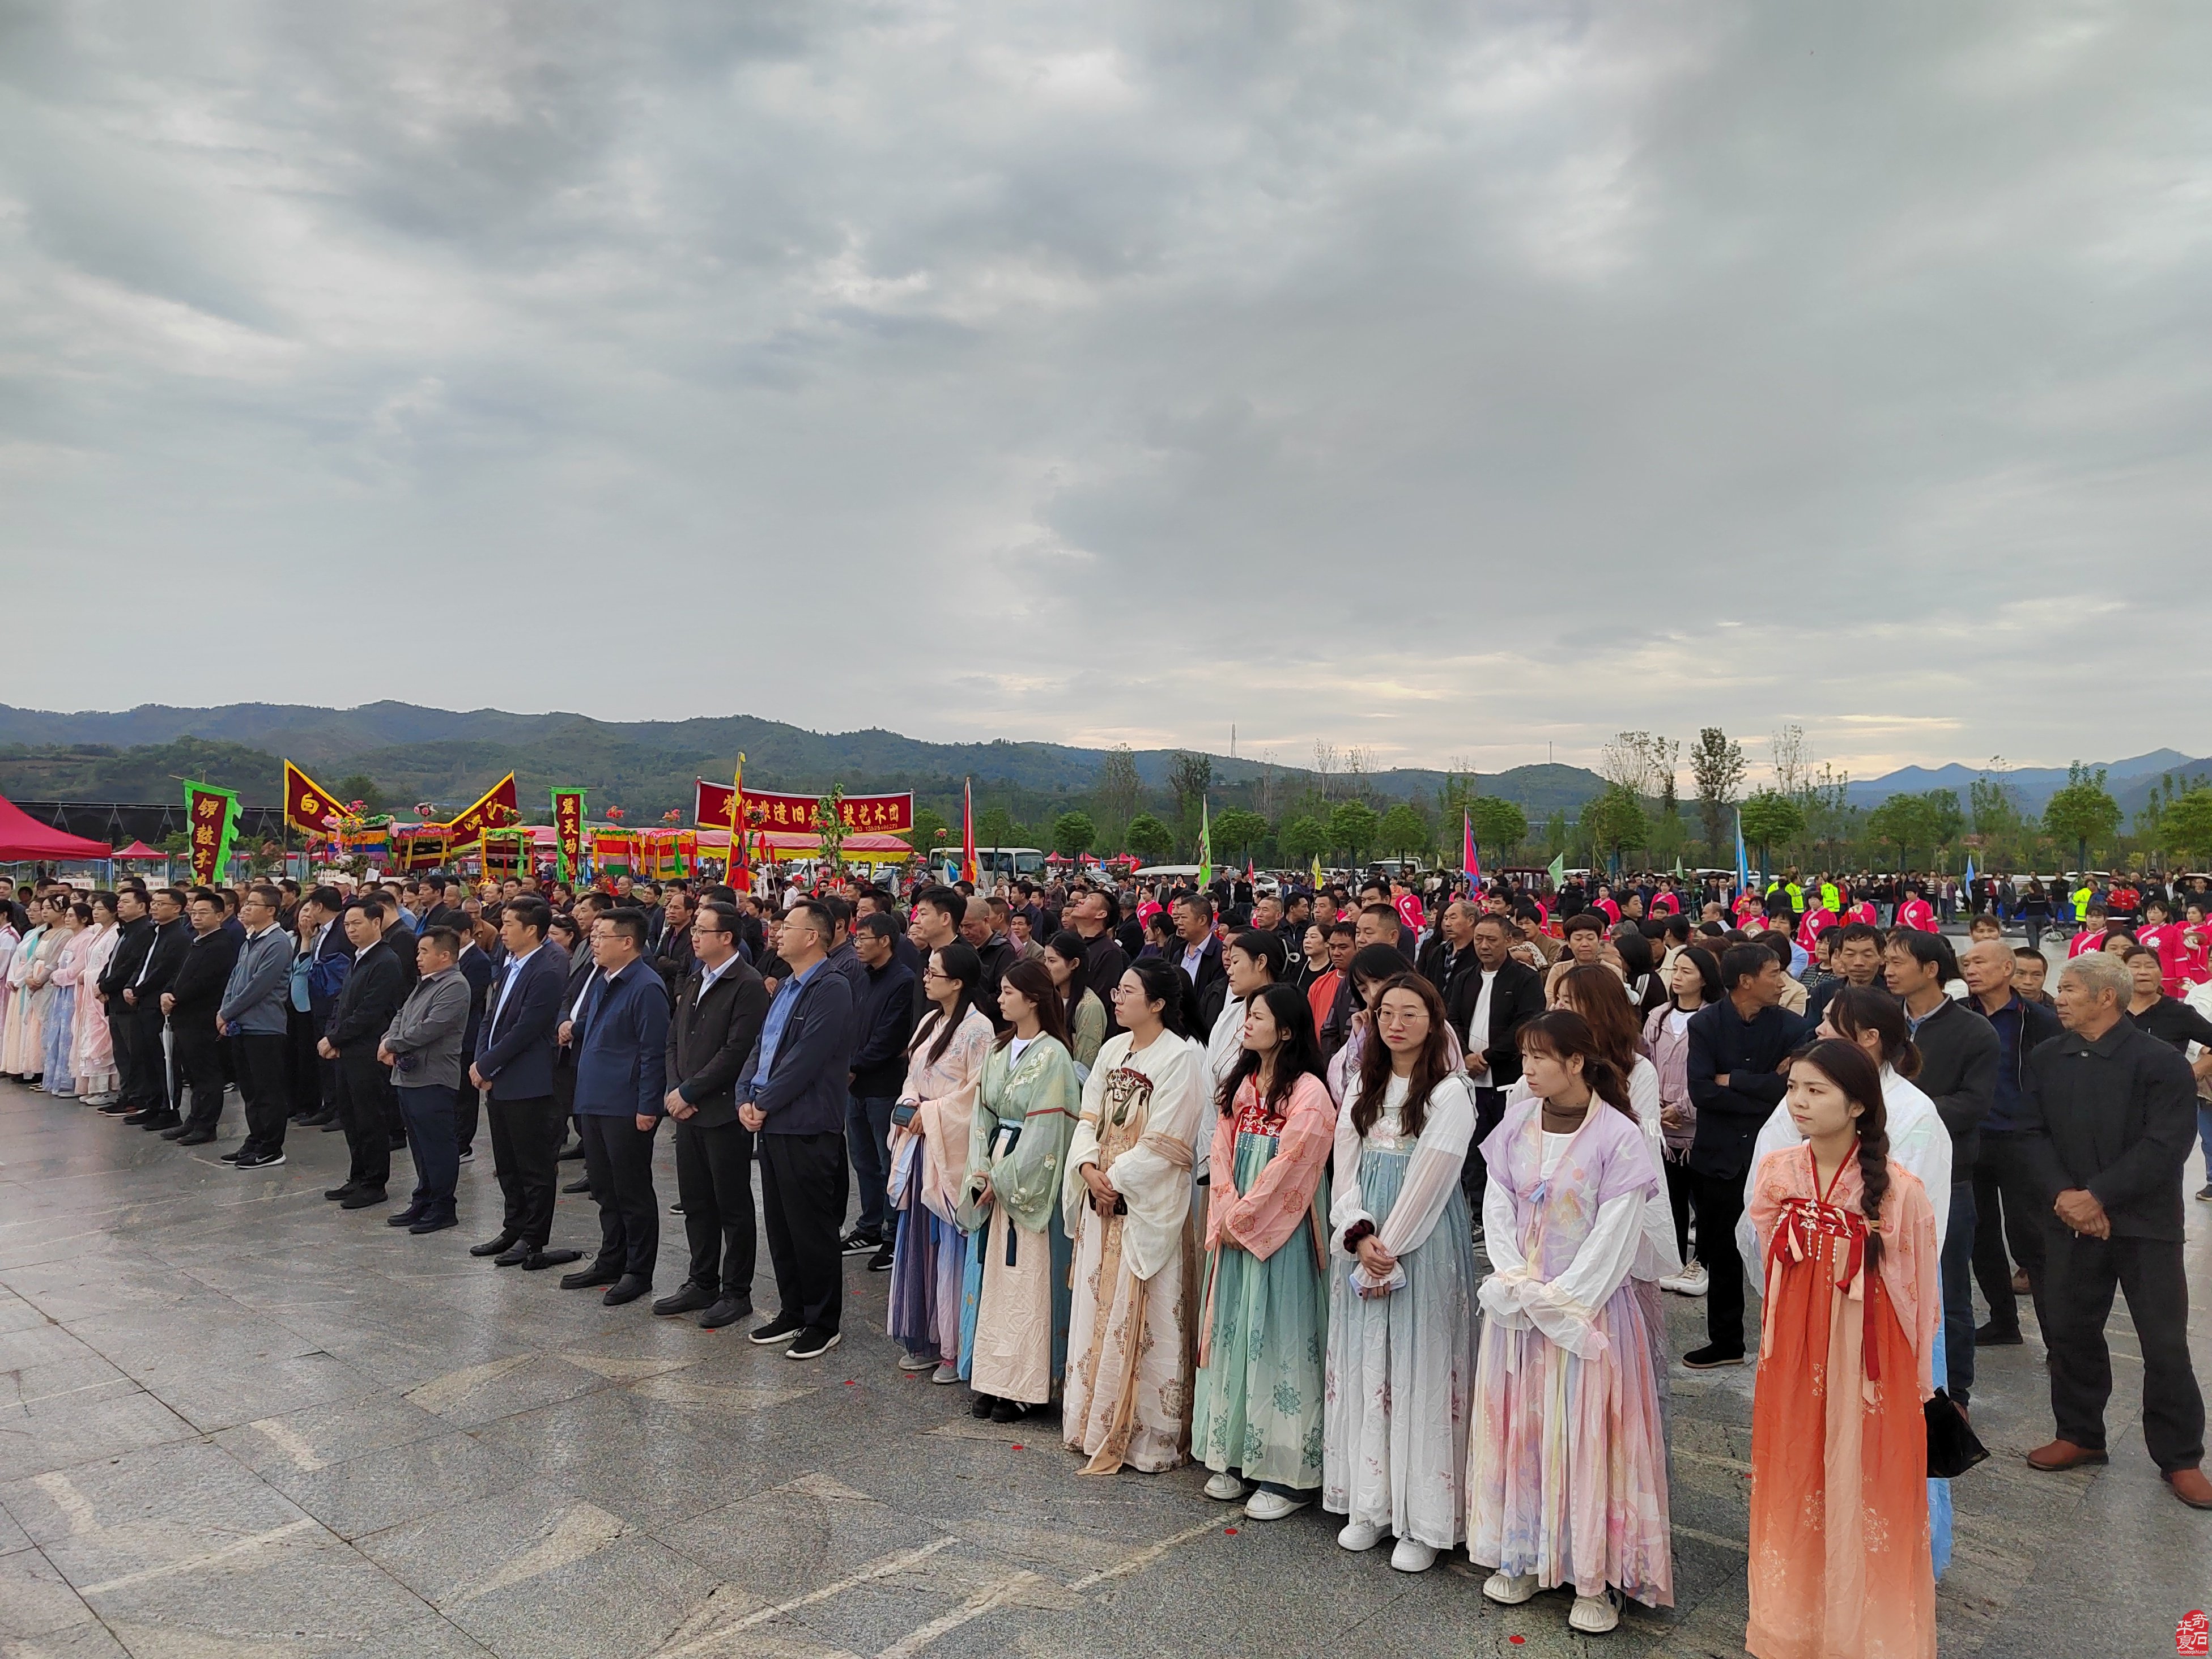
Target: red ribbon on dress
<point>1802,1226</point>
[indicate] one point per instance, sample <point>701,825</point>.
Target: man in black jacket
<point>1204,975</point>
<point>1092,915</point>
<point>2009,1207</point>
<point>716,1022</point>
<point>476,967</point>
<point>2109,1115</point>
<point>980,928</point>
<point>882,1021</point>
<point>374,989</point>
<point>189,1005</point>
<point>1491,999</point>
<point>1958,1072</point>
<point>134,937</point>
<point>154,1107</point>
<point>1737,1047</point>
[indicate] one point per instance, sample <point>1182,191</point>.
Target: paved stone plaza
<point>234,1421</point>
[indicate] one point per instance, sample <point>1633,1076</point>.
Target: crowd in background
<point>1363,1195</point>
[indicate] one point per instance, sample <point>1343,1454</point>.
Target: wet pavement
<point>235,1420</point>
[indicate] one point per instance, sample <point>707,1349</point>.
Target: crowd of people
<point>1363,1199</point>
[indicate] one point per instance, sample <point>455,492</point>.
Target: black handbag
<point>1953,1446</point>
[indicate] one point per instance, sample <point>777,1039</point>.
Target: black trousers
<point>1474,1176</point>
<point>525,1136</point>
<point>1957,1267</point>
<point>199,1067</point>
<point>2083,1274</point>
<point>714,1180</point>
<point>1678,1201</point>
<point>465,1109</point>
<point>619,1159</point>
<point>303,1067</point>
<point>363,1087</point>
<point>119,1017</point>
<point>803,1195</point>
<point>2004,1189</point>
<point>150,1067</point>
<point>1718,1201</point>
<point>264,1087</point>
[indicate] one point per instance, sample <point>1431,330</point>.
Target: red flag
<point>1470,858</point>
<point>969,867</point>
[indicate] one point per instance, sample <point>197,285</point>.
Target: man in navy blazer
<point>513,1069</point>
<point>620,1039</point>
<point>791,1096</point>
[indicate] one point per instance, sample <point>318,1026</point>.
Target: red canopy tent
<point>24,839</point>
<point>138,849</point>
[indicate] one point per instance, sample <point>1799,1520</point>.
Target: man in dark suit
<point>2107,1117</point>
<point>1737,1045</point>
<point>719,1010</point>
<point>1204,975</point>
<point>514,1068</point>
<point>155,1108</point>
<point>374,989</point>
<point>319,972</point>
<point>582,970</point>
<point>792,1095</point>
<point>476,968</point>
<point>189,1003</point>
<point>621,1041</point>
<point>134,937</point>
<point>1491,997</point>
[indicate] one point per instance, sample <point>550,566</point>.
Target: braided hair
<point>1845,1064</point>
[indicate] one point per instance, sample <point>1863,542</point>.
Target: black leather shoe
<point>628,1288</point>
<point>577,1187</point>
<point>319,1121</point>
<point>689,1299</point>
<point>589,1278</point>
<point>434,1224</point>
<point>175,1133</point>
<point>728,1311</point>
<point>141,1117</point>
<point>365,1198</point>
<point>406,1217</point>
<point>499,1246</point>
<point>118,1108</point>
<point>336,1194</point>
<point>1989,1336</point>
<point>160,1120</point>
<point>570,1154</point>
<point>197,1138</point>
<point>514,1255</point>
<point>541,1260</point>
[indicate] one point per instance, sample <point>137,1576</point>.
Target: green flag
<point>1557,873</point>
<point>1204,846</point>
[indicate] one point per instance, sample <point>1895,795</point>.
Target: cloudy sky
<point>1452,380</point>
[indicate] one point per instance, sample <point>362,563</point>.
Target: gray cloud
<point>1451,379</point>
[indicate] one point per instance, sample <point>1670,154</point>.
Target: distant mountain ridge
<point>2129,779</point>
<point>647,766</point>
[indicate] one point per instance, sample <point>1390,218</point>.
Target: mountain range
<point>449,756</point>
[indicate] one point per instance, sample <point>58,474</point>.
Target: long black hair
<point>961,962</point>
<point>1299,1054</point>
<point>1162,982</point>
<point>1857,1008</point>
<point>1430,1067</point>
<point>1845,1064</point>
<point>1031,979</point>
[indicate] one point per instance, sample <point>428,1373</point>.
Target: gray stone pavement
<point>234,1421</point>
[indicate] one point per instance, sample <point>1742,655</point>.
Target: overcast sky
<point>1448,379</point>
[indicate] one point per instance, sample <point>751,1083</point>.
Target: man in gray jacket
<point>422,1047</point>
<point>255,1014</point>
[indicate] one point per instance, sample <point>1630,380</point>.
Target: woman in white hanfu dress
<point>1131,1351</point>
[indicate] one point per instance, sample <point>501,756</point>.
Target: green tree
<point>1149,839</point>
<point>1770,816</point>
<point>2083,811</point>
<point>1120,791</point>
<point>1238,829</point>
<point>1404,831</point>
<point>1353,825</point>
<point>1302,839</point>
<point>928,821</point>
<point>1616,819</point>
<point>1946,822</point>
<point>2186,824</point>
<point>994,827</point>
<point>1499,824</point>
<point>1072,834</point>
<point>359,786</point>
<point>1716,766</point>
<point>1190,776</point>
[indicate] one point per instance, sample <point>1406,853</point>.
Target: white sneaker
<point>1225,1489</point>
<point>1593,1615</point>
<point>1412,1556</point>
<point>1691,1281</point>
<point>1358,1535</point>
<point>1510,1590</point>
<point>946,1373</point>
<point>1273,1506</point>
<point>916,1362</point>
